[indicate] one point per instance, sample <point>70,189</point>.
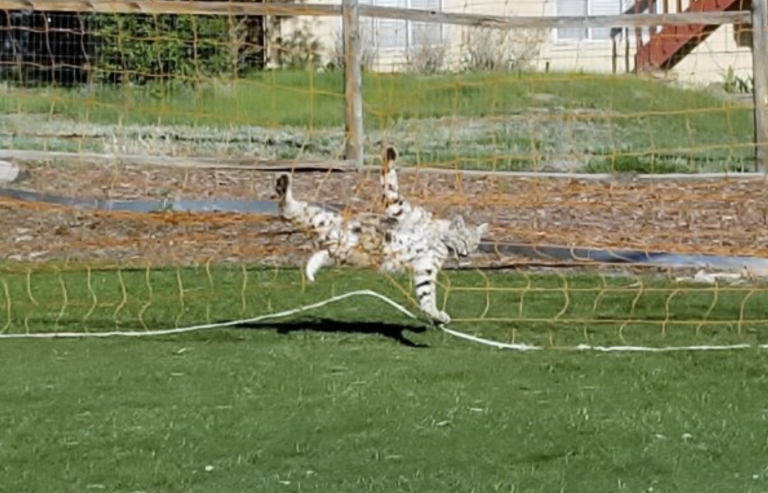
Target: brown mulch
<point>719,216</point>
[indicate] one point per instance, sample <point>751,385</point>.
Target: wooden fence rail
<point>196,7</point>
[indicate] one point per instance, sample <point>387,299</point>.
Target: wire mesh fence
<point>146,142</point>
<point>543,309</point>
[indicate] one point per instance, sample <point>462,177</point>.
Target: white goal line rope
<point>393,304</point>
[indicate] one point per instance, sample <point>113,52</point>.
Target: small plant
<point>299,49</point>
<point>646,164</point>
<point>367,59</point>
<point>734,84</point>
<point>491,49</point>
<point>164,207</point>
<point>426,59</point>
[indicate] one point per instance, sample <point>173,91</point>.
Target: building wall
<point>328,30</point>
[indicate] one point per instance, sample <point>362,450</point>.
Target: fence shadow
<point>395,332</point>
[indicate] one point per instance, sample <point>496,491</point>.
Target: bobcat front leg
<point>425,279</point>
<point>316,262</point>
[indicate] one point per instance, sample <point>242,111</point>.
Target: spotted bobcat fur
<point>405,237</point>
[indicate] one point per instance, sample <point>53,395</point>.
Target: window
<point>397,34</point>
<point>603,7</point>
<point>425,33</point>
<point>589,7</point>
<point>572,8</point>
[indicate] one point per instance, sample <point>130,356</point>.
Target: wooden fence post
<point>760,80</point>
<point>353,82</point>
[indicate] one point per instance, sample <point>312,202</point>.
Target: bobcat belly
<point>363,245</point>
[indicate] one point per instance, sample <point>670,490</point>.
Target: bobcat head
<point>460,239</point>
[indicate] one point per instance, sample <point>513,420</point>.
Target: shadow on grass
<point>395,332</point>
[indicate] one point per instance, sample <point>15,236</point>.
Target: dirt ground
<point>692,216</point>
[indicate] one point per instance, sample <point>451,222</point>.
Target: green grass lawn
<point>260,411</point>
<point>341,401</point>
<point>614,123</point>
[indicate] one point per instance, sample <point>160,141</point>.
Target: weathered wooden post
<point>353,82</point>
<point>760,78</point>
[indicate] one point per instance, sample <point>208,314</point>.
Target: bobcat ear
<point>481,230</point>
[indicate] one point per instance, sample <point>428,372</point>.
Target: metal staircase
<point>669,45</point>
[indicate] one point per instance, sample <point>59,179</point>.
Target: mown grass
<point>302,405</point>
<point>606,120</point>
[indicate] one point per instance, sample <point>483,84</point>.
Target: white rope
<point>393,304</point>
<point>217,325</point>
<point>600,349</point>
<point>488,342</point>
<point>667,349</point>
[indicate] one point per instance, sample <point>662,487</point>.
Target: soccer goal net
<point>616,151</point>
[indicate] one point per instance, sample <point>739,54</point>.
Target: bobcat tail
<point>283,187</point>
<point>390,190</point>
<point>388,158</point>
<point>285,204</point>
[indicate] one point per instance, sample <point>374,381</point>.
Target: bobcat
<point>404,237</point>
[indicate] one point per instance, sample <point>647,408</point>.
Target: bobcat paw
<point>440,318</point>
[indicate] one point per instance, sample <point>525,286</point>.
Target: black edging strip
<point>270,207</point>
